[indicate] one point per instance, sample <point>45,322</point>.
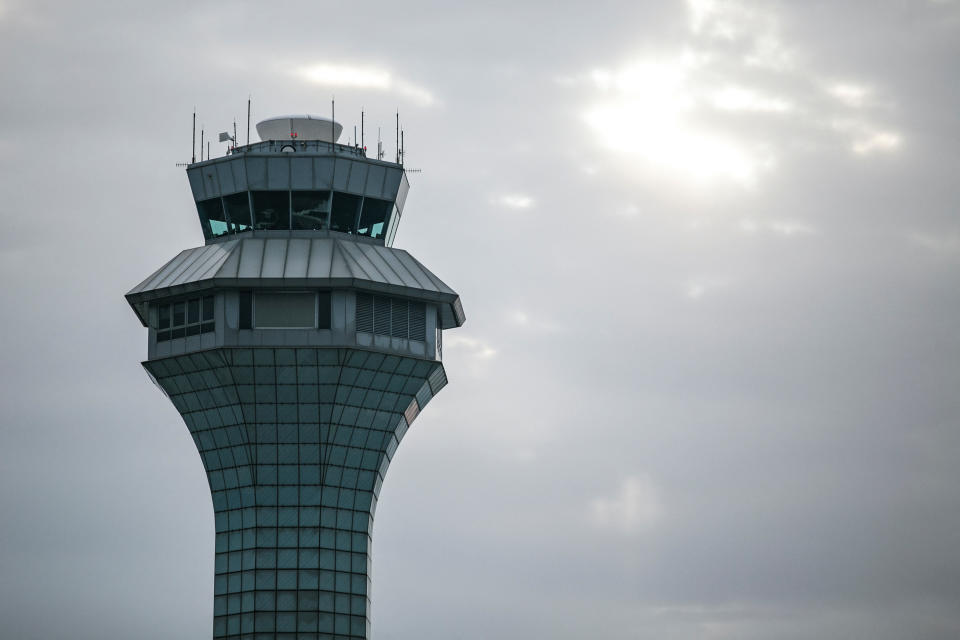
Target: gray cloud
<point>681,408</point>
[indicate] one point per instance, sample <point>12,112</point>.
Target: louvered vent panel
<point>418,321</point>
<point>381,315</point>
<point>365,312</point>
<point>398,318</point>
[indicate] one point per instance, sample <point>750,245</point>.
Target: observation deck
<point>300,184</point>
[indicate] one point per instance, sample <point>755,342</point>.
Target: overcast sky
<point>709,253</point>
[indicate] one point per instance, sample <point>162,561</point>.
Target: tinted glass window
<point>323,310</point>
<point>193,310</point>
<point>246,309</point>
<point>310,209</point>
<point>238,210</point>
<point>212,219</point>
<point>271,209</point>
<point>178,313</point>
<point>185,318</point>
<point>373,219</point>
<point>164,317</point>
<point>344,215</point>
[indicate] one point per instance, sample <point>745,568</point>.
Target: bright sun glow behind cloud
<point>648,113</point>
<point>729,106</point>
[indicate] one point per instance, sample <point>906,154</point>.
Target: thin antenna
<point>401,147</point>
<point>362,143</point>
<point>201,143</point>
<point>354,135</point>
<point>379,145</point>
<point>398,137</point>
<point>248,119</point>
<point>234,133</point>
<point>208,150</point>
<point>193,146</point>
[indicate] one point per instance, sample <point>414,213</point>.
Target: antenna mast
<point>201,143</point>
<point>193,146</point>
<point>362,145</point>
<point>248,119</point>
<point>398,137</point>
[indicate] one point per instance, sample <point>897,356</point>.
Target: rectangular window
<point>323,310</point>
<point>281,310</point>
<point>246,310</point>
<point>185,318</point>
<point>193,310</point>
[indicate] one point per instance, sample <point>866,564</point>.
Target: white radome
<point>305,127</point>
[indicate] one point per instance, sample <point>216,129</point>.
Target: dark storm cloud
<point>692,400</point>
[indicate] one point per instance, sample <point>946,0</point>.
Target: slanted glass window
<point>285,310</point>
<point>238,211</point>
<point>310,209</point>
<point>212,219</point>
<point>373,218</point>
<point>271,210</point>
<point>343,216</point>
<point>185,318</point>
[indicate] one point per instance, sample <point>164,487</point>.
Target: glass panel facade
<point>299,210</point>
<point>295,443</point>
<point>271,209</point>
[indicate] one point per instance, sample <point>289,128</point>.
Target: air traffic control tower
<point>299,346</point>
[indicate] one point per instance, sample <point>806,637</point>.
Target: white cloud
<point>735,98</point>
<point>779,227</point>
<point>876,141</point>
<point>851,95</point>
<point>525,320</point>
<point>347,76</point>
<point>635,507</point>
<point>514,201</point>
<point>474,348</point>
